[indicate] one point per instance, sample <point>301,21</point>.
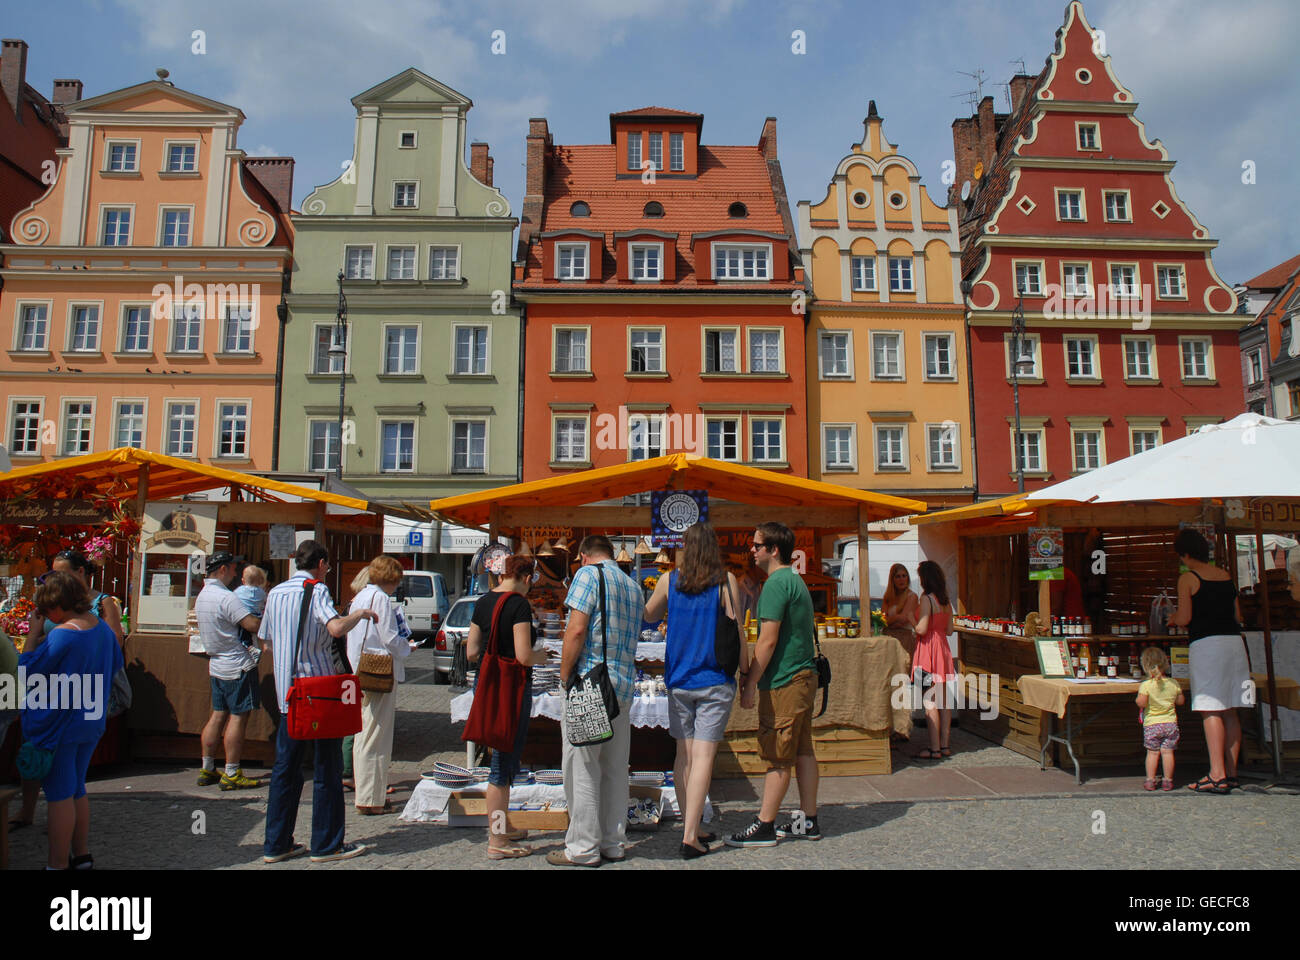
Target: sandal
<point>1233,783</point>
<point>512,852</point>
<point>945,751</point>
<point>349,786</point>
<point>1148,784</point>
<point>1206,785</point>
<point>516,835</point>
<point>928,754</point>
<point>1167,784</point>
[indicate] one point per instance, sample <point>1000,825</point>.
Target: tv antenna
<point>1020,61</point>
<point>978,76</point>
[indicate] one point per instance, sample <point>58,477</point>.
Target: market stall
<point>853,735</point>
<point>1091,559</point>
<point>179,511</point>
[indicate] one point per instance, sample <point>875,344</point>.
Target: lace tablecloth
<point>646,711</point>
<point>428,803</point>
<point>645,652</point>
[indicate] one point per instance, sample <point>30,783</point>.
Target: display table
<point>1286,664</point>
<point>646,711</point>
<point>428,803</point>
<point>645,652</point>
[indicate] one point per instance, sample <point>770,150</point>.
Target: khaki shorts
<point>785,720</point>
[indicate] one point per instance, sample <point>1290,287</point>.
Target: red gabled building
<point>1133,334</point>
<point>663,299</point>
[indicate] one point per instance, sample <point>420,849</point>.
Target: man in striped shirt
<point>317,656</point>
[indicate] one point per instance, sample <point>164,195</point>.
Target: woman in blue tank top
<point>700,693</point>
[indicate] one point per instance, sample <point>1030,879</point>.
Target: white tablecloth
<point>1286,663</point>
<point>428,803</point>
<point>646,711</point>
<point>646,652</point>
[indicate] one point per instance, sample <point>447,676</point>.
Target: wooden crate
<point>842,751</point>
<point>470,809</point>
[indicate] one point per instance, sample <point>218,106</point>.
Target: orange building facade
<point>140,291</point>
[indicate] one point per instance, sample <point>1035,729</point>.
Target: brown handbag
<point>375,670</point>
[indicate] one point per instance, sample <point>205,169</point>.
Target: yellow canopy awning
<point>1001,507</point>
<point>681,471</point>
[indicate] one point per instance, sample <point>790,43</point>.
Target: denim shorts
<point>1160,736</point>
<point>235,696</point>
<point>700,714</point>
<point>505,766</point>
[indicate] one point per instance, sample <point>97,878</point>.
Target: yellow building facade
<point>888,398</point>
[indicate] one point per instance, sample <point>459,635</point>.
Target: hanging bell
<point>643,549</point>
<point>663,556</point>
<point>545,549</point>
<point>524,549</point>
<point>623,555</point>
<point>561,544</point>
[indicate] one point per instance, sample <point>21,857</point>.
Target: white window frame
<point>1154,375</point>
<point>252,328</point>
<point>764,417</point>
<point>415,139</point>
<point>1075,432</point>
<point>676,165</point>
<point>122,327</point>
<point>848,372</point>
<point>1253,358</point>
<point>414,249</point>
<point>1111,267</point>
<point>104,210</point>
<point>112,142</point>
<point>930,464</point>
<point>419,336</point>
<point>1136,428</point>
<point>1128,205</point>
<point>739,439</point>
<point>852,465</point>
<point>217,405</point>
<point>1033,338</point>
<point>634,163</point>
<point>329,423</point>
<point>347,350</point>
<point>1090,285</point>
<point>116,434</point>
<point>653,422</point>
<point>1182,281</point>
<point>1094,356</point>
<point>171,327</point>
<point>586,349</point>
<point>442,247</point>
<point>951,375</point>
<point>415,197</point>
<point>1083,204</point>
<point>910,262</point>
<point>737,360</point>
<point>870,260</point>
<point>11,422</point>
<point>901,376</point>
<point>1096,135</point>
<point>487,447</point>
<point>559,415</point>
<point>1209,360</point>
<point>73,307</point>
<point>168,405</point>
<point>347,254</point>
<point>167,155</point>
<point>65,433</point>
<point>1039,265</point>
<point>487,349</point>
<point>561,248</point>
<point>653,137</point>
<point>1026,430</point>
<point>634,249</point>
<point>780,349</point>
<point>740,248</point>
<point>904,465</point>
<point>166,208</point>
<point>383,422</point>
<point>46,332</point>
<point>663,348</point>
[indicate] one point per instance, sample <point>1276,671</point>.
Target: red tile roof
<point>657,112</point>
<point>1275,277</point>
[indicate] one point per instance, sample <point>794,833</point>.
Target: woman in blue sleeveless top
<point>700,694</point>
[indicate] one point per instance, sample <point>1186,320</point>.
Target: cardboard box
<point>470,810</point>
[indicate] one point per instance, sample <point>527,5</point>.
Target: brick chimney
<point>491,163</point>
<point>1020,85</point>
<point>65,92</point>
<point>537,156</point>
<point>478,162</point>
<point>13,73</point>
<point>275,174</point>
<point>974,140</point>
<point>767,142</point>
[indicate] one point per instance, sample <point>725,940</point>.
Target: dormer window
<point>580,209</point>
<point>634,151</point>
<point>572,259</point>
<point>737,210</point>
<point>647,261</point>
<point>676,152</point>
<point>654,209</point>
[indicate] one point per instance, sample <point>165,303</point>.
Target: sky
<point>1216,80</point>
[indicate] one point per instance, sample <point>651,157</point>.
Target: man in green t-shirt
<point>784,676</point>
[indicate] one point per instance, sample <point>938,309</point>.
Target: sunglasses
<point>758,545</point>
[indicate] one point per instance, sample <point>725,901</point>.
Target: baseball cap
<point>221,559</point>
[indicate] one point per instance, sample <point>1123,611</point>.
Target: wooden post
<point>1045,602</point>
<point>141,498</point>
<point>1267,624</point>
<point>864,574</point>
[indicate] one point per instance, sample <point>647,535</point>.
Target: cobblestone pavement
<point>985,808</point>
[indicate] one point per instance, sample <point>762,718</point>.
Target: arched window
<point>580,209</point>
<point>654,209</point>
<point>737,209</point>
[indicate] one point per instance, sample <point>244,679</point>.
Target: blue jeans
<point>286,791</point>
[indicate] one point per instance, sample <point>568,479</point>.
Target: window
<point>864,273</point>
<point>720,351</point>
<point>1123,280</point>
<point>887,356</point>
<point>941,446</point>
<point>1069,205</point>
<point>117,227</point>
<point>326,334</point>
<point>741,263</point>
<point>137,327</point>
<point>404,194</point>
<point>939,356</point>
<point>176,228</point>
<point>324,445</point>
<point>359,263</point>
<point>737,210</point>
<point>1169,282</point>
<point>1080,358</point>
<point>84,332</point>
<point>401,263</point>
<point>634,151</point>
<point>444,263</point>
<point>1031,450</point>
<point>1144,440</point>
<point>653,209</point>
<point>469,446</point>
<point>407,140</point>
<point>187,328</point>
<point>833,354</point>
<point>1087,450</point>
<point>398,454</point>
<point>676,151</point>
<point>1138,356</point>
<point>580,208</point>
<point>182,158</point>
<point>890,442</point>
<point>1196,358</point>
<point>401,346</point>
<point>472,350</point>
<point>657,151</point>
<point>1117,206</point>
<point>1075,276</point>
<point>764,351</point>
<point>78,424</point>
<point>570,439</point>
<point>765,441</point>
<point>33,327</point>
<point>1255,362</point>
<point>237,330</point>
<point>645,436</point>
<point>182,428</point>
<point>837,442</point>
<point>722,439</point>
<point>25,440</point>
<point>128,428</point>
<point>647,353</point>
<point>571,351</point>
<point>647,261</point>
<point>572,259</point>
<point>122,158</point>
<point>1087,136</point>
<point>1029,279</point>
<point>1030,347</point>
<point>232,431</point>
<point>900,275</point>
<point>1293,395</point>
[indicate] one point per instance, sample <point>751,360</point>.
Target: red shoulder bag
<point>321,708</point>
<point>498,694</point>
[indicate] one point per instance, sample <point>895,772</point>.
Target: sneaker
<point>239,781</point>
<point>297,850</point>
<point>208,777</point>
<point>345,852</point>
<point>757,834</point>
<point>809,829</point>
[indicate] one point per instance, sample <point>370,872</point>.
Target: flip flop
<point>513,852</point>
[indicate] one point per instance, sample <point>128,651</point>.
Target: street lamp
<point>1022,354</point>
<point>339,350</point>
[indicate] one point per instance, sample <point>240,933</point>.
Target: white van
<point>881,555</point>
<point>423,595</point>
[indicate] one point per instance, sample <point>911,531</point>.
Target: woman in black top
<point>1207,606</point>
<point>514,639</point>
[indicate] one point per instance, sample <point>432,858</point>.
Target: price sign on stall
<point>1046,553</point>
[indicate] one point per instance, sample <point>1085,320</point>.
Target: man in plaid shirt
<point>595,777</point>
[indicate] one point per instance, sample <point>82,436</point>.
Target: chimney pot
<point>13,74</point>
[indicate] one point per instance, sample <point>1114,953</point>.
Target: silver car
<point>449,644</point>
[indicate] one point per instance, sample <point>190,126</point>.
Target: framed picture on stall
<point>1053,657</point>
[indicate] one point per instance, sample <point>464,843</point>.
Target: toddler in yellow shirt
<point>1157,698</point>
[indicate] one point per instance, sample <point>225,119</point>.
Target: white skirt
<point>1220,674</point>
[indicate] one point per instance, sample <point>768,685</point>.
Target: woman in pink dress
<point>933,659</point>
